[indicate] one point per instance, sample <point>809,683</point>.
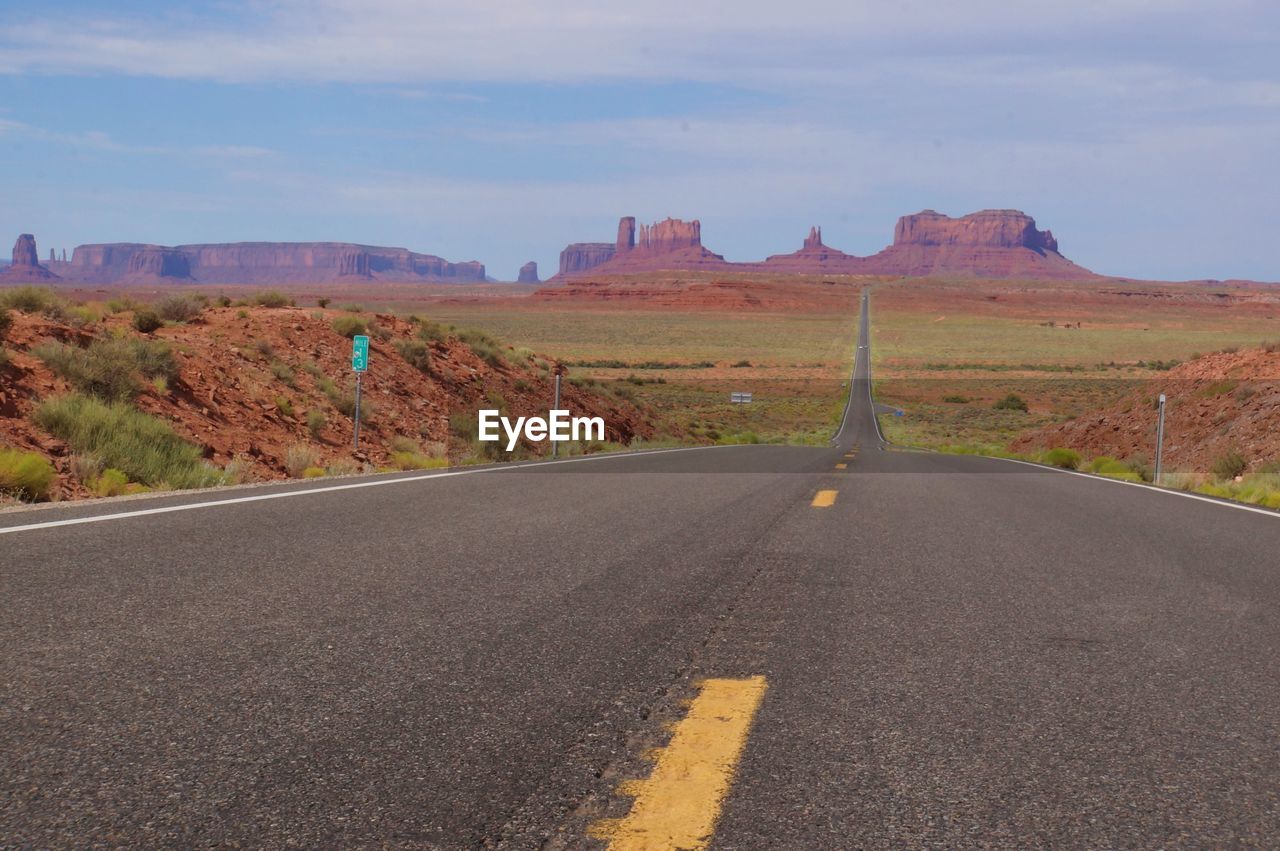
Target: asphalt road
<point>959,652</point>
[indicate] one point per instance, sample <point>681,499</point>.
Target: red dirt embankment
<point>1220,403</point>
<point>228,398</point>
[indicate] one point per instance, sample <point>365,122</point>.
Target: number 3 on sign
<point>360,353</point>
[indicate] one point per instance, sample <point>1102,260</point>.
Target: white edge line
<point>1225,503</point>
<point>191,506</point>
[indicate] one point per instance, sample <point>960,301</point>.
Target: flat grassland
<point>684,364</point>
<point>946,352</point>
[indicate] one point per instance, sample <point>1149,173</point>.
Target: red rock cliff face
<point>669,235</point>
<point>155,261</point>
<point>528,274</point>
<point>985,228</point>
<point>272,262</point>
<point>26,263</point>
<point>581,256</point>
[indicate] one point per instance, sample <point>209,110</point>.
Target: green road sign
<point>360,353</point>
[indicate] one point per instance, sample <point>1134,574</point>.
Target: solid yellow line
<point>678,804</point>
<point>824,499</point>
<point>842,466</point>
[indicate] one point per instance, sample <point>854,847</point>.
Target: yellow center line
<point>842,466</point>
<point>678,804</point>
<point>824,499</point>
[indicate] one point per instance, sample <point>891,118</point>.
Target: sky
<point>1144,133</point>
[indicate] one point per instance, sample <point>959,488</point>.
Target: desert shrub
<point>281,370</point>
<point>147,320</point>
<point>85,468</point>
<point>264,348</point>
<point>1229,465</point>
<point>350,326</point>
<point>314,473</point>
<point>741,363</point>
<point>121,304</point>
<point>956,400</point>
<point>344,399</point>
<point>270,298</point>
<point>4,356</point>
<point>110,482</point>
<point>485,347</point>
<point>1111,468</point>
<point>242,314</point>
<point>1245,392</point>
<point>416,461</point>
<point>109,368</point>
<point>285,406</point>
<point>141,446</point>
<point>378,331</point>
<point>1012,402</point>
<point>322,303</point>
<point>34,300</point>
<point>352,308</point>
<point>6,321</point>
<point>316,422</point>
<point>178,308</point>
<point>416,353</point>
<point>299,457</point>
<point>223,301</point>
<point>433,332</point>
<point>1067,459</point>
<point>342,467</point>
<point>25,475</point>
<point>82,315</point>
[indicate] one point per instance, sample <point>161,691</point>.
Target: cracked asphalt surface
<point>960,652</point>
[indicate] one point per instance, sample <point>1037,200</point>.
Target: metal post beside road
<point>359,364</point>
<point>1160,440</point>
<point>555,407</point>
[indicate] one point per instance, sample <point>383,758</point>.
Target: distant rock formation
<point>26,263</point>
<point>989,243</point>
<point>264,263</point>
<point>626,233</point>
<point>986,228</point>
<point>668,244</point>
<point>814,257</point>
<point>528,274</point>
<point>156,261</point>
<point>580,256</point>
<point>353,263</point>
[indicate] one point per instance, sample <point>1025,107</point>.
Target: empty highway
<point>872,647</point>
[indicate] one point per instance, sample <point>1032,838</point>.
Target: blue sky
<point>1144,133</point>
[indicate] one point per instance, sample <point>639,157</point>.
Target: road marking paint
<point>678,804</point>
<point>367,483</point>
<point>824,499</point>
<point>842,466</point>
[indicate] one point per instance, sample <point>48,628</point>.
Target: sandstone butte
<point>528,274</point>
<point>258,263</point>
<point>25,267</point>
<point>989,243</point>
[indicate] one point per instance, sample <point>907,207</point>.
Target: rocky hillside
<point>266,390</point>
<point>1220,405</point>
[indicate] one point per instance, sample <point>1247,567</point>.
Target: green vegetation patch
<point>111,368</point>
<point>141,446</point>
<point>25,475</point>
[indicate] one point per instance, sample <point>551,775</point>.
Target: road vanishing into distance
<point>751,646</point>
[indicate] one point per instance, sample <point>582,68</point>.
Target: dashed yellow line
<point>842,466</point>
<point>678,804</point>
<point>824,499</point>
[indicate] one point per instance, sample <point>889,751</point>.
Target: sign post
<point>359,364</point>
<point>1160,440</point>
<point>555,447</point>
